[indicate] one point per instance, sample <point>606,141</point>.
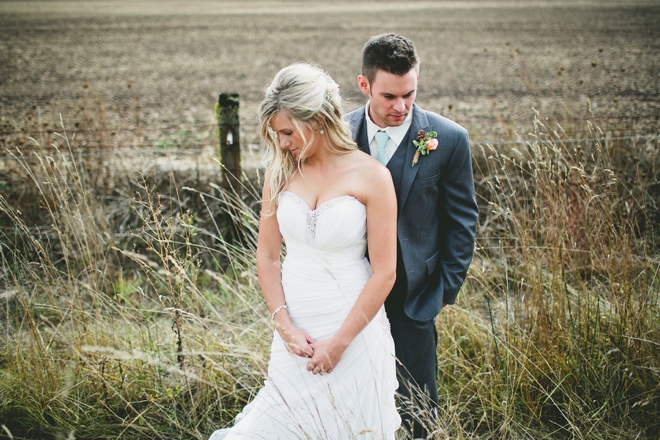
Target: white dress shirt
<point>396,134</point>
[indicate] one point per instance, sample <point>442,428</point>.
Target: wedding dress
<point>322,275</point>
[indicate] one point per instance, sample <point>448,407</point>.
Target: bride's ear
<point>319,123</point>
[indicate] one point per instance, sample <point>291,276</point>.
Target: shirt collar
<point>396,133</point>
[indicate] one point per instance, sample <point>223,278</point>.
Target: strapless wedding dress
<point>322,275</point>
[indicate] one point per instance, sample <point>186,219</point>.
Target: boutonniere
<point>424,142</point>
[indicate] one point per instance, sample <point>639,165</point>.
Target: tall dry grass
<point>140,316</point>
<point>557,333</point>
<point>151,334</point>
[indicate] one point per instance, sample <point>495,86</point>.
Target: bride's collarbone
<point>316,195</point>
<point>314,200</point>
<point>316,188</point>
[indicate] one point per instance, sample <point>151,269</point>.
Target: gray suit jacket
<point>437,212</point>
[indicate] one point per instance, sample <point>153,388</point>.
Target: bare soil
<point>146,74</point>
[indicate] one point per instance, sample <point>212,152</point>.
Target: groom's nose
<point>399,105</point>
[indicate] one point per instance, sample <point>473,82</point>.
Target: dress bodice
<point>335,229</point>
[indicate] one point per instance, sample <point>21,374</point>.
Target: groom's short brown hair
<point>392,53</point>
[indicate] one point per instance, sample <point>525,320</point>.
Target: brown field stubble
<point>155,68</point>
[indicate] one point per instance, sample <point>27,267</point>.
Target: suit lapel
<point>420,122</point>
<point>359,131</point>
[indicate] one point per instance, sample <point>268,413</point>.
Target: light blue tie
<point>381,140</point>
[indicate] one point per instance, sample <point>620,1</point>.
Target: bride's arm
<point>269,270</point>
<point>380,200</point>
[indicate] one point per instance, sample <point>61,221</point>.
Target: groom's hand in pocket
<point>296,340</point>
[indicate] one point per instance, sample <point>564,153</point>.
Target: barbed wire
<point>20,154</point>
<point>209,126</point>
<point>164,130</point>
<point>15,230</point>
<point>569,140</point>
<point>156,152</point>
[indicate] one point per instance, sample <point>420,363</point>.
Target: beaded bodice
<point>313,214</point>
<point>335,226</point>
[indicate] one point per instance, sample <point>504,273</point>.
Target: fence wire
<point>16,231</point>
<point>197,150</point>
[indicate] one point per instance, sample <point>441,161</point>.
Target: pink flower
<point>424,143</point>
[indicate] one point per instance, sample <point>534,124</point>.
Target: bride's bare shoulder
<point>366,169</point>
<point>362,159</point>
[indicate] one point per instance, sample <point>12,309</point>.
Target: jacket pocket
<point>425,182</point>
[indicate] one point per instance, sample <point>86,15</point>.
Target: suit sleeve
<point>459,212</point>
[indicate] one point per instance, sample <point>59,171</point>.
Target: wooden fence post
<point>230,141</point>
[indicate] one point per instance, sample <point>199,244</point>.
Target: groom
<point>437,212</point>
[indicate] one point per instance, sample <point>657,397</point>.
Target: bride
<point>332,372</point>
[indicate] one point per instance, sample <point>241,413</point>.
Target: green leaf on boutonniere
<point>424,142</point>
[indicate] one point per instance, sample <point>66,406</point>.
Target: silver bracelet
<point>279,309</point>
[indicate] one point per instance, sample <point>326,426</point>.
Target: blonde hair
<point>308,97</point>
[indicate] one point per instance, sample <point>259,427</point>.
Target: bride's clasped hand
<point>295,340</point>
<point>326,355</point>
<point>323,355</point>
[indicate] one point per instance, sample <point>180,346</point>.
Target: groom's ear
<point>363,84</point>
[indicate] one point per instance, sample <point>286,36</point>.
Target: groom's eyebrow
<point>391,95</point>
